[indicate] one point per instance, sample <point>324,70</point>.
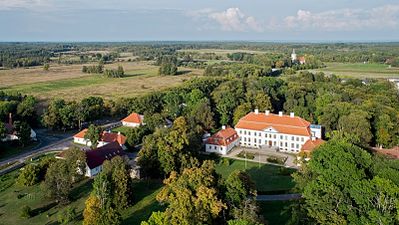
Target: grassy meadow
<point>70,83</point>
<point>45,211</point>
<point>360,70</point>
<point>267,178</point>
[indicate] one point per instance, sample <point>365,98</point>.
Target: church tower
<point>293,56</point>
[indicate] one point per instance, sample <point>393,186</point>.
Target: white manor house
<point>287,133</point>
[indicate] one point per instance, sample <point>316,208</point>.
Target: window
<point>245,132</point>
<point>260,134</point>
<point>292,138</point>
<point>297,138</point>
<point>259,141</point>
<point>286,144</point>
<point>292,145</point>
<point>281,144</point>
<point>239,131</point>
<point>286,137</point>
<point>281,137</point>
<point>274,136</point>
<point>297,146</point>
<point>245,139</point>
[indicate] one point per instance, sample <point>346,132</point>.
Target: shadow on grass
<point>182,72</point>
<point>271,179</point>
<point>82,189</point>
<point>133,75</point>
<point>144,188</point>
<point>43,209</point>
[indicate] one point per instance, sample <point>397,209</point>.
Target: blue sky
<point>257,20</point>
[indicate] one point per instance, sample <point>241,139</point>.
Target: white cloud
<point>232,19</point>
<point>24,4</point>
<point>386,16</point>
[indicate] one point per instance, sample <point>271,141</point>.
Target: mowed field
<point>360,70</point>
<point>70,83</point>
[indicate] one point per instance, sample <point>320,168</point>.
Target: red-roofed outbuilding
<point>222,141</point>
<point>133,120</point>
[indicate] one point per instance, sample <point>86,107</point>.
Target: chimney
<point>280,113</point>
<point>10,119</point>
<point>267,112</point>
<point>292,115</point>
<point>223,127</point>
<point>256,111</point>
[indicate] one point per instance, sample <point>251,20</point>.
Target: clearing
<point>360,70</point>
<point>68,82</point>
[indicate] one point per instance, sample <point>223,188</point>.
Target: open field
<point>70,83</point>
<point>360,70</point>
<point>222,51</point>
<point>13,197</point>
<point>268,178</point>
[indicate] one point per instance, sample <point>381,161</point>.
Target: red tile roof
<point>81,134</point>
<point>97,156</point>
<point>106,136</point>
<point>283,124</point>
<point>111,137</point>
<point>301,59</point>
<point>310,145</point>
<point>133,118</point>
<point>224,137</point>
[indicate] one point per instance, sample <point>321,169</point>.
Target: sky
<point>199,20</point>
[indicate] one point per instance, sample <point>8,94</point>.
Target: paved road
<point>49,141</point>
<point>284,197</point>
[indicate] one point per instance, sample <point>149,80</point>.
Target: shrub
<point>247,154</point>
<point>273,159</point>
<point>225,162</point>
<point>26,212</point>
<point>29,175</point>
<point>68,215</point>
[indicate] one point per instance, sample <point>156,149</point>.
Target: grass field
<point>69,82</point>
<point>268,178</point>
<point>124,130</point>
<point>46,211</point>
<point>360,70</point>
<point>8,149</point>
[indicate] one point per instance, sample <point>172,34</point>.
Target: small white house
<point>11,134</point>
<point>106,138</point>
<point>133,120</point>
<point>95,158</point>
<point>223,141</point>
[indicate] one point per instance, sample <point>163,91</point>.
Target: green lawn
<point>8,149</point>
<point>360,70</point>
<point>46,211</point>
<point>268,178</point>
<point>124,130</point>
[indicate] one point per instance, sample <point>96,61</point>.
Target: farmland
<point>68,82</point>
<point>360,70</point>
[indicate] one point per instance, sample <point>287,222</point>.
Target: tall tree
<point>58,182</point>
<point>23,131</point>
<point>94,135</point>
<point>339,187</point>
<point>192,197</point>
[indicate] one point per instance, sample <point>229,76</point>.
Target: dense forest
<point>14,55</point>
